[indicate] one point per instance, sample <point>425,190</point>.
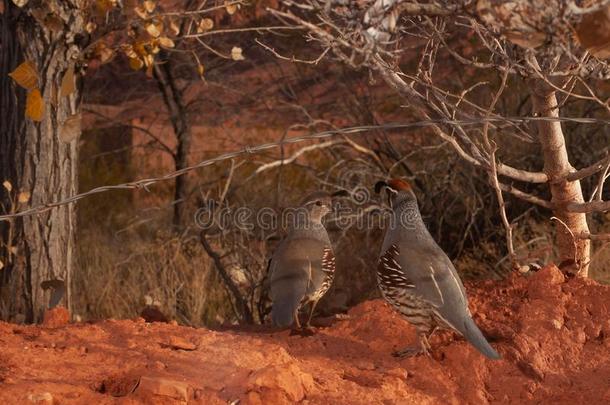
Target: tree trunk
<point>574,253</point>
<point>39,158</point>
<point>172,97</point>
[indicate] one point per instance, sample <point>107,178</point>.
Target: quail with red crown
<point>417,278</point>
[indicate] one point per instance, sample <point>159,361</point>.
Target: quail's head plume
<point>302,267</point>
<point>317,204</point>
<point>417,278</point>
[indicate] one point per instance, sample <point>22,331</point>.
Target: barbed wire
<point>250,150</point>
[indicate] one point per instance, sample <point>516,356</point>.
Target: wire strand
<point>249,150</point>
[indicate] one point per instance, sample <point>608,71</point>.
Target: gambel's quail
<point>302,267</point>
<point>417,278</point>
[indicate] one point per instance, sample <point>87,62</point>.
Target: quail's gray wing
<point>434,276</point>
<point>296,271</point>
<point>437,282</point>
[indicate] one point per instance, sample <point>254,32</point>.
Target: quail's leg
<point>296,318</point>
<point>423,346</point>
<point>313,307</point>
<point>298,329</point>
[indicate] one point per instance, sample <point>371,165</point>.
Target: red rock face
<point>553,335</point>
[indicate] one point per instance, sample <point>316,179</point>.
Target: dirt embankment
<point>554,337</point>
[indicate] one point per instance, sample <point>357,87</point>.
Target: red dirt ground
<point>554,337</point>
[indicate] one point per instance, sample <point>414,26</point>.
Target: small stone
<point>157,365</point>
<point>42,398</point>
<point>164,387</point>
<point>581,337</point>
<point>286,379</point>
<point>178,343</point>
<point>364,365</point>
<point>557,324</point>
<point>398,372</point>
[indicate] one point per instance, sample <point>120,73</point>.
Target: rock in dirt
<point>164,387</point>
<point>178,343</point>
<point>118,385</point>
<point>276,381</point>
<point>45,398</point>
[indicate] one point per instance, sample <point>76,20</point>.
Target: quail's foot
<point>304,331</point>
<point>411,351</point>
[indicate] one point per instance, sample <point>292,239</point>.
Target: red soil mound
<point>554,337</point>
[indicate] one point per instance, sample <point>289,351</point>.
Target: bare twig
<point>245,313</point>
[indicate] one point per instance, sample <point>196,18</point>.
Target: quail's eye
<point>319,203</point>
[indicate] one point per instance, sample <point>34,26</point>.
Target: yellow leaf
<point>141,12</point>
<point>149,5</point>
<point>25,75</point>
<point>153,30</point>
<point>136,63</point>
<point>129,51</point>
<point>7,185</point>
<point>20,3</point>
<point>231,8</point>
<point>236,53</point>
<point>104,53</point>
<point>70,129</point>
<point>593,33</point>
<point>90,27</point>
<point>104,6</point>
<point>166,42</point>
<point>149,60</point>
<point>200,70</point>
<point>34,105</point>
<point>174,27</point>
<point>140,48</point>
<point>205,24</point>
<point>23,197</point>
<point>67,83</point>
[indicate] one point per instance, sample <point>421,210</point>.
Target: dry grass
<point>115,278</point>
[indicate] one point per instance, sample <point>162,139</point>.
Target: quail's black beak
<point>379,186</point>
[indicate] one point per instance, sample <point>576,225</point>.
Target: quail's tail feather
<point>284,307</point>
<point>475,337</point>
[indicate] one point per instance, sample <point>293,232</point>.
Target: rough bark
<point>36,160</point>
<point>172,97</point>
<point>573,252</point>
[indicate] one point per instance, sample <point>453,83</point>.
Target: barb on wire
<point>249,150</point>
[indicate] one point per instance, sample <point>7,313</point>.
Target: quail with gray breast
<point>417,278</point>
<point>302,267</point>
